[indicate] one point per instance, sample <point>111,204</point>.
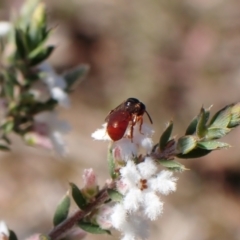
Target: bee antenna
<point>149,117</point>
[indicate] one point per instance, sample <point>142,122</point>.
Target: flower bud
<point>103,215</point>
<point>90,188</point>
<point>39,15</point>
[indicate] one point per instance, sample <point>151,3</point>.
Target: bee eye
<point>131,101</point>
<point>128,104</point>
<point>142,106</point>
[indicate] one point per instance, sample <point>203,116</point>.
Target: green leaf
<point>111,164</point>
<point>20,43</point>
<point>191,129</point>
<point>115,195</point>
<point>37,49</point>
<point>216,133</point>
<point>12,235</point>
<point>40,107</point>
<point>166,136</point>
<point>78,196</point>
<point>195,153</point>
<point>39,56</point>
<point>234,123</point>
<point>62,210</point>
<point>37,37</point>
<point>222,118</point>
<point>6,139</point>
<point>172,165</point>
<point>186,143</point>
<point>8,126</point>
<point>4,148</point>
<point>235,116</point>
<point>9,89</point>
<point>212,145</point>
<point>202,121</point>
<point>207,113</point>
<point>8,83</point>
<point>92,228</point>
<point>75,76</point>
<point>27,98</point>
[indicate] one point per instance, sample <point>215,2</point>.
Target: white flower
<point>40,91</point>
<point>132,226</point>
<point>136,178</point>
<point>48,131</point>
<point>5,28</point>
<point>140,185</point>
<point>101,134</point>
<point>124,149</point>
<point>56,84</point>
<point>143,138</point>
<point>127,148</point>
<point>4,232</point>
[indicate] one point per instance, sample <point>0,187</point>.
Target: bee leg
<point>131,132</point>
<point>140,124</point>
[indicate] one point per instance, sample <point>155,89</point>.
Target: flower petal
<point>130,174</point>
<point>164,183</point>
<point>118,218</point>
<point>127,150</point>
<point>133,199</point>
<point>101,134</point>
<point>147,168</point>
<point>153,207</point>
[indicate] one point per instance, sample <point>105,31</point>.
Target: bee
<point>127,113</point>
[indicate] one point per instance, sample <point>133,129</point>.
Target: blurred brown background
<point>175,56</point>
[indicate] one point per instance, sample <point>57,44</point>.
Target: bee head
<point>134,106</point>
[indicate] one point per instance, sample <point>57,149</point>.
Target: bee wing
<point>107,118</point>
<point>119,107</point>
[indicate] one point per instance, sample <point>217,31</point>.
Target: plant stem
<point>66,225</point>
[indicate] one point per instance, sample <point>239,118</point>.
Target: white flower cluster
<point>140,184</point>
<point>48,129</point>
<point>51,85</point>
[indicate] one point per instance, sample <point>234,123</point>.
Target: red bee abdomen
<point>117,124</point>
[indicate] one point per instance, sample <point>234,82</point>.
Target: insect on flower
<point>127,113</point>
